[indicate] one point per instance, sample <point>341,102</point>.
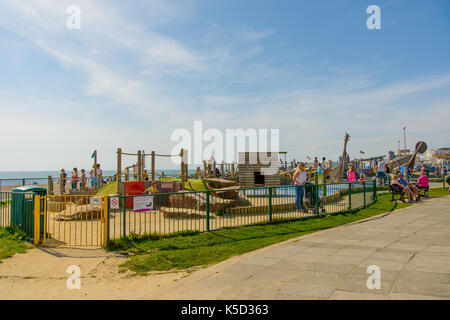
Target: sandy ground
<point>41,273</point>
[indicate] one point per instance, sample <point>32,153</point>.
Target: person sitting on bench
<point>400,181</point>
<point>422,182</point>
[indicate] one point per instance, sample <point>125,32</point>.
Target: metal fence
<point>89,220</point>
<point>5,209</point>
<point>212,210</point>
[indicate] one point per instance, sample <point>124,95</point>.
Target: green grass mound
<point>196,185</point>
<point>110,188</point>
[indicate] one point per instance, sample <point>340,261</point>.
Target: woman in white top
<point>299,178</point>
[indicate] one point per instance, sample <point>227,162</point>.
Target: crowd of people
<point>79,180</point>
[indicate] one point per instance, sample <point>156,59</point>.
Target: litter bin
<point>22,208</point>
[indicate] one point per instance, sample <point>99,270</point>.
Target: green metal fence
<point>5,209</point>
<point>212,210</point>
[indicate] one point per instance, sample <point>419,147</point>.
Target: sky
<point>138,70</point>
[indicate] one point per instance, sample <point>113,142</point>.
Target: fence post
<point>443,180</point>
<point>316,190</point>
<point>106,222</point>
<point>350,196</point>
<point>270,204</point>
<point>23,182</point>
<point>364,191</point>
<point>124,214</point>
<point>375,190</point>
<point>37,219</point>
<point>207,210</point>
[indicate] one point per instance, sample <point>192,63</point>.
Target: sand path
<point>41,274</point>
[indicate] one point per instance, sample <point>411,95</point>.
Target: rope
<point>167,155</point>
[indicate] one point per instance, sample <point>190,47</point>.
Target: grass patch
<point>12,241</point>
<point>110,188</point>
<point>181,251</point>
<point>4,203</point>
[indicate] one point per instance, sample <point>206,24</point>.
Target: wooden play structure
<point>406,161</point>
<point>211,170</point>
<point>137,172</point>
<point>250,170</point>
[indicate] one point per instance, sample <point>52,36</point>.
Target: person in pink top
<point>351,174</point>
<point>422,182</point>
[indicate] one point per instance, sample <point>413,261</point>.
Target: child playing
<point>361,178</point>
<point>74,178</point>
<point>351,174</point>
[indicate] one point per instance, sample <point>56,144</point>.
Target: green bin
<point>22,208</point>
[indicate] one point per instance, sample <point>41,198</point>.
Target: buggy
<point>310,198</point>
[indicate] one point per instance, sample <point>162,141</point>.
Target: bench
<point>425,192</point>
<point>396,189</point>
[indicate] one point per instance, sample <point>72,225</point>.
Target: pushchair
<point>310,198</point>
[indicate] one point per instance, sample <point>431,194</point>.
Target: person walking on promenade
<point>300,177</point>
<point>74,178</point>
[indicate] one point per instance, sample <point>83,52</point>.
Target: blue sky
<point>138,70</point>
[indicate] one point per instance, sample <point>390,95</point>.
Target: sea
<point>13,178</point>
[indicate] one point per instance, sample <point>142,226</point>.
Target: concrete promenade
<point>411,246</point>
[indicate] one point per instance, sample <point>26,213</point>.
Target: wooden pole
<point>61,184</point>
<point>49,185</point>
<point>182,167</point>
<point>153,165</point>
<point>139,166</point>
<point>205,168</point>
<point>232,169</point>
<point>119,165</point>
<point>221,170</point>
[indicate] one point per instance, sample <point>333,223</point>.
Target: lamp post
<point>404,136</point>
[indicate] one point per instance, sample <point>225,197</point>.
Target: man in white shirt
<point>381,172</point>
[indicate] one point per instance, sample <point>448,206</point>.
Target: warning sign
<point>95,201</point>
<point>141,204</point>
<point>114,203</point>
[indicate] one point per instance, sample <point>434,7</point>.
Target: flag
<point>93,154</point>
<point>362,152</point>
<point>309,158</point>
